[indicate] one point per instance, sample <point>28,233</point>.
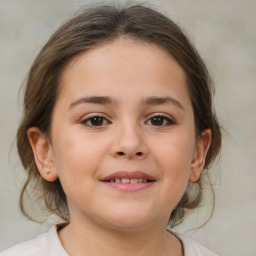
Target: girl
<point>118,126</point>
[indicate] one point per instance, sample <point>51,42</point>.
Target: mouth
<point>129,181</point>
<point>125,180</point>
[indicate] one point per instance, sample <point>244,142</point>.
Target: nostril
<point>120,153</point>
<point>139,153</point>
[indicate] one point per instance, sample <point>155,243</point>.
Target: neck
<point>90,239</point>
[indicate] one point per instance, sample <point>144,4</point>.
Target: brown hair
<point>89,29</point>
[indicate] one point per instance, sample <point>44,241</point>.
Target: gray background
<point>224,32</point>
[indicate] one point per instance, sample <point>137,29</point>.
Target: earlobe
<point>201,149</point>
<point>43,154</point>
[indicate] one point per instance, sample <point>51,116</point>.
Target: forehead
<point>122,65</point>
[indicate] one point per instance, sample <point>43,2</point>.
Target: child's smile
<point>122,137</point>
<point>118,124</point>
<point>129,180</point>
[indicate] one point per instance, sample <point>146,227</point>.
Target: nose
<point>129,143</point>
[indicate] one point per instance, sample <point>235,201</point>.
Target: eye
<point>160,120</point>
<point>95,121</point>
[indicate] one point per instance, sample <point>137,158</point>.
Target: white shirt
<point>48,244</point>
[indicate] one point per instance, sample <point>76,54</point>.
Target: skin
<point>103,220</point>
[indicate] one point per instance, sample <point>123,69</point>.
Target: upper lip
<point>128,175</point>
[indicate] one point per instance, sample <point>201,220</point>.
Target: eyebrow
<point>162,101</point>
<point>104,100</point>
<point>93,100</point>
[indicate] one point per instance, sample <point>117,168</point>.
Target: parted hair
<point>87,30</point>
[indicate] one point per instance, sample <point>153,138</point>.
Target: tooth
<point>125,180</point>
<point>140,179</point>
<point>112,180</point>
<point>134,180</point>
<point>118,180</point>
<point>144,180</point>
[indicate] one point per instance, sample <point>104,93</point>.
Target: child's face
<point>123,108</point>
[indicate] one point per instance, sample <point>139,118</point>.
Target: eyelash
<point>165,121</point>
<point>89,119</point>
<point>168,121</point>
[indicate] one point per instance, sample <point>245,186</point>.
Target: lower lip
<point>129,187</point>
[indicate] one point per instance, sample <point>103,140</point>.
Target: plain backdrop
<point>225,35</point>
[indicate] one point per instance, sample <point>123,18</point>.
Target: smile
<point>129,181</point>
<point>124,180</point>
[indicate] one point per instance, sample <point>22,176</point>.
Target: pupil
<point>157,121</point>
<point>97,121</point>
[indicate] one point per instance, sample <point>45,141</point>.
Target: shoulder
<point>47,244</point>
<point>192,248</point>
<point>36,246</point>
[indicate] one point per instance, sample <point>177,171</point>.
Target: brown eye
<point>157,120</point>
<point>160,121</point>
<point>95,121</point>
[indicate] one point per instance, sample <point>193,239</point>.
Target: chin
<point>129,221</point>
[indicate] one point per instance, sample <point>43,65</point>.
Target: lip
<point>128,175</point>
<point>129,187</point>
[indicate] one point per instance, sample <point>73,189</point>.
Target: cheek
<point>174,156</point>
<point>176,150</point>
<point>76,161</point>
<point>76,156</point>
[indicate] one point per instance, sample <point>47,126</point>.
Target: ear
<point>201,148</point>
<point>43,153</point>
